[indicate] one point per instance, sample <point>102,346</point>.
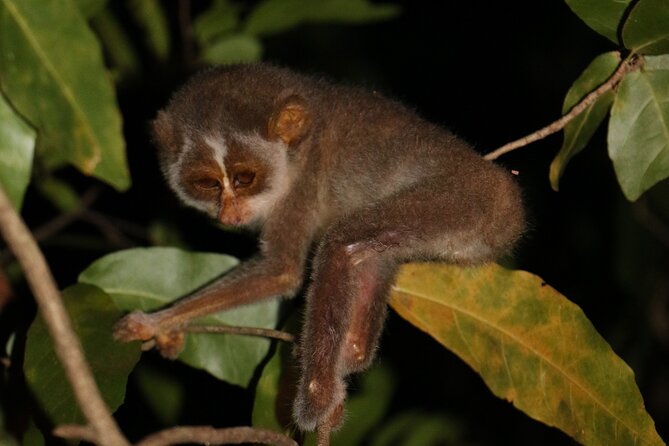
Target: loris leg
<point>354,266</point>
<point>346,308</point>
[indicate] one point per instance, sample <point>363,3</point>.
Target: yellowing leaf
<point>531,346</point>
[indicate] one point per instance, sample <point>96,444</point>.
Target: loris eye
<point>207,184</point>
<point>243,179</point>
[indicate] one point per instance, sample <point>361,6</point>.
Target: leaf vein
<point>519,341</point>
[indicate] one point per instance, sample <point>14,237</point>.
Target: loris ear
<point>290,121</point>
<point>162,132</point>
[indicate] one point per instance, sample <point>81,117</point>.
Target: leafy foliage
<point>504,324</point>
<point>639,128</point>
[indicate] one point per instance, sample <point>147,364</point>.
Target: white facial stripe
<point>219,150</point>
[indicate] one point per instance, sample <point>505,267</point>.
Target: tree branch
<point>211,436</point>
<point>246,331</point>
<point>630,64</point>
<point>67,346</point>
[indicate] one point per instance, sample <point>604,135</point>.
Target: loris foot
<point>170,343</point>
<point>138,326</point>
<point>319,400</point>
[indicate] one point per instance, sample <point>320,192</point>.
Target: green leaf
<point>604,16</point>
<point>531,346</point>
<point>272,406</point>
<point>578,132</point>
<point>236,48</point>
<point>638,136</point>
<point>150,278</point>
<point>32,436</point>
<point>92,313</point>
<point>221,18</point>
<point>51,70</point>
<point>646,30</point>
<point>150,15</point>
<point>17,146</point>
<point>274,16</point>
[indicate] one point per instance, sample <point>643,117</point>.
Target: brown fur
<point>369,185</point>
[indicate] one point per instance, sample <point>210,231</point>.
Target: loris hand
<point>138,326</point>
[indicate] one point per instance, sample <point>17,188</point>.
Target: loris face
<point>236,179</point>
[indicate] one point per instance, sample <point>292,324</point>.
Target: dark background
<point>492,72</point>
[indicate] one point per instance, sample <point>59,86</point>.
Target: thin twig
<point>107,228</point>
<point>67,346</point>
<point>245,331</point>
<point>625,67</point>
<point>211,436</point>
<point>58,223</point>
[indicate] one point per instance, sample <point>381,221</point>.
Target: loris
<point>350,181</point>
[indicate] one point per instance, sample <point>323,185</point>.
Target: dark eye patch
<point>207,184</point>
<point>243,178</point>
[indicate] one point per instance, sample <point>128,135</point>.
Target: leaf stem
<point>632,63</point>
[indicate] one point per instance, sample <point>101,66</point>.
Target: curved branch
<point>67,346</point>
<point>245,331</point>
<point>631,64</point>
<point>211,436</point>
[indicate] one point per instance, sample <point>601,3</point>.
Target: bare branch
<point>245,331</point>
<point>76,432</point>
<point>67,346</point>
<point>625,67</point>
<point>211,436</point>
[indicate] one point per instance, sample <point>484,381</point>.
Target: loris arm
<point>286,235</point>
<point>250,282</point>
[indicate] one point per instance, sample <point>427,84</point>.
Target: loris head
<point>228,152</point>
